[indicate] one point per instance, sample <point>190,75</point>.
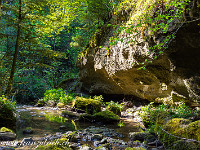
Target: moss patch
<point>4,129</point>
<point>182,128</point>
<point>106,116</point>
<point>91,106</point>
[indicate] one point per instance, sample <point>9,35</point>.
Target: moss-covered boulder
<point>178,129</point>
<point>184,145</point>
<point>60,105</point>
<point>106,117</point>
<point>103,116</point>
<point>7,134</point>
<point>7,116</point>
<point>91,106</point>
<point>114,107</point>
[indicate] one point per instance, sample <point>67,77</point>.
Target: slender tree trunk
<point>10,81</point>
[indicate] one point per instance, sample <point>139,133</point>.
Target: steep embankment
<point>135,64</point>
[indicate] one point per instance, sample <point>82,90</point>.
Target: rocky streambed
<point>42,125</point>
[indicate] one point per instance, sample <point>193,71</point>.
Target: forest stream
<point>47,124</point>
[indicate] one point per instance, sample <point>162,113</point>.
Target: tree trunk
<point>10,81</point>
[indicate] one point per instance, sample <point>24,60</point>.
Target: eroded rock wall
<point>116,71</point>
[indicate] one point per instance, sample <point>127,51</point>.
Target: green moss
<point>184,145</point>
<point>7,117</point>
<point>179,127</point>
<point>106,116</point>
<point>41,103</point>
<point>114,107</point>
<point>4,129</point>
<point>175,124</point>
<point>91,106</point>
<point>192,131</point>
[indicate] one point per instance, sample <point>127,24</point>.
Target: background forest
<point>42,40</point>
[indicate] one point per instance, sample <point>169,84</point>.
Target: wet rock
<point>63,127</point>
<point>60,105</point>
<point>140,136</point>
<point>74,146</point>
<point>7,136</point>
<point>28,131</point>
<point>86,148</point>
<point>70,114</point>
<point>27,141</point>
<point>6,148</point>
<point>51,103</point>
<point>96,137</point>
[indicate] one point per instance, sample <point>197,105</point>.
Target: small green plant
<point>120,124</point>
<point>115,107</point>
<point>151,114</point>
<point>182,111</point>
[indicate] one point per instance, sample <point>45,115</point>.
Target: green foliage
<point>66,99</point>
<point>54,95</point>
<point>57,95</point>
<point>90,105</point>
<point>6,106</point>
<point>120,124</point>
<point>152,115</point>
<point>114,107</point>
<point>54,118</point>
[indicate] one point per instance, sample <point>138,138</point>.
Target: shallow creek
<point>44,121</point>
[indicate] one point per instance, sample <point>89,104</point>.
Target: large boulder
<point>116,71</point>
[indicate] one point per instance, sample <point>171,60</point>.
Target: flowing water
<point>44,121</point>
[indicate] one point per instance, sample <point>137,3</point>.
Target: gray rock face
<point>7,136</point>
<point>116,71</point>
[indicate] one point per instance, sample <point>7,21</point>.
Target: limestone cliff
<point>177,70</point>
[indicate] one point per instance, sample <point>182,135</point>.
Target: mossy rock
<point>176,124</point>
<point>86,118</point>
<point>7,116</point>
<point>91,106</point>
<point>158,116</point>
<point>184,145</point>
<point>60,105</point>
<point>106,117</point>
<point>41,103</point>
<point>179,128</point>
<point>115,109</point>
<point>142,136</point>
